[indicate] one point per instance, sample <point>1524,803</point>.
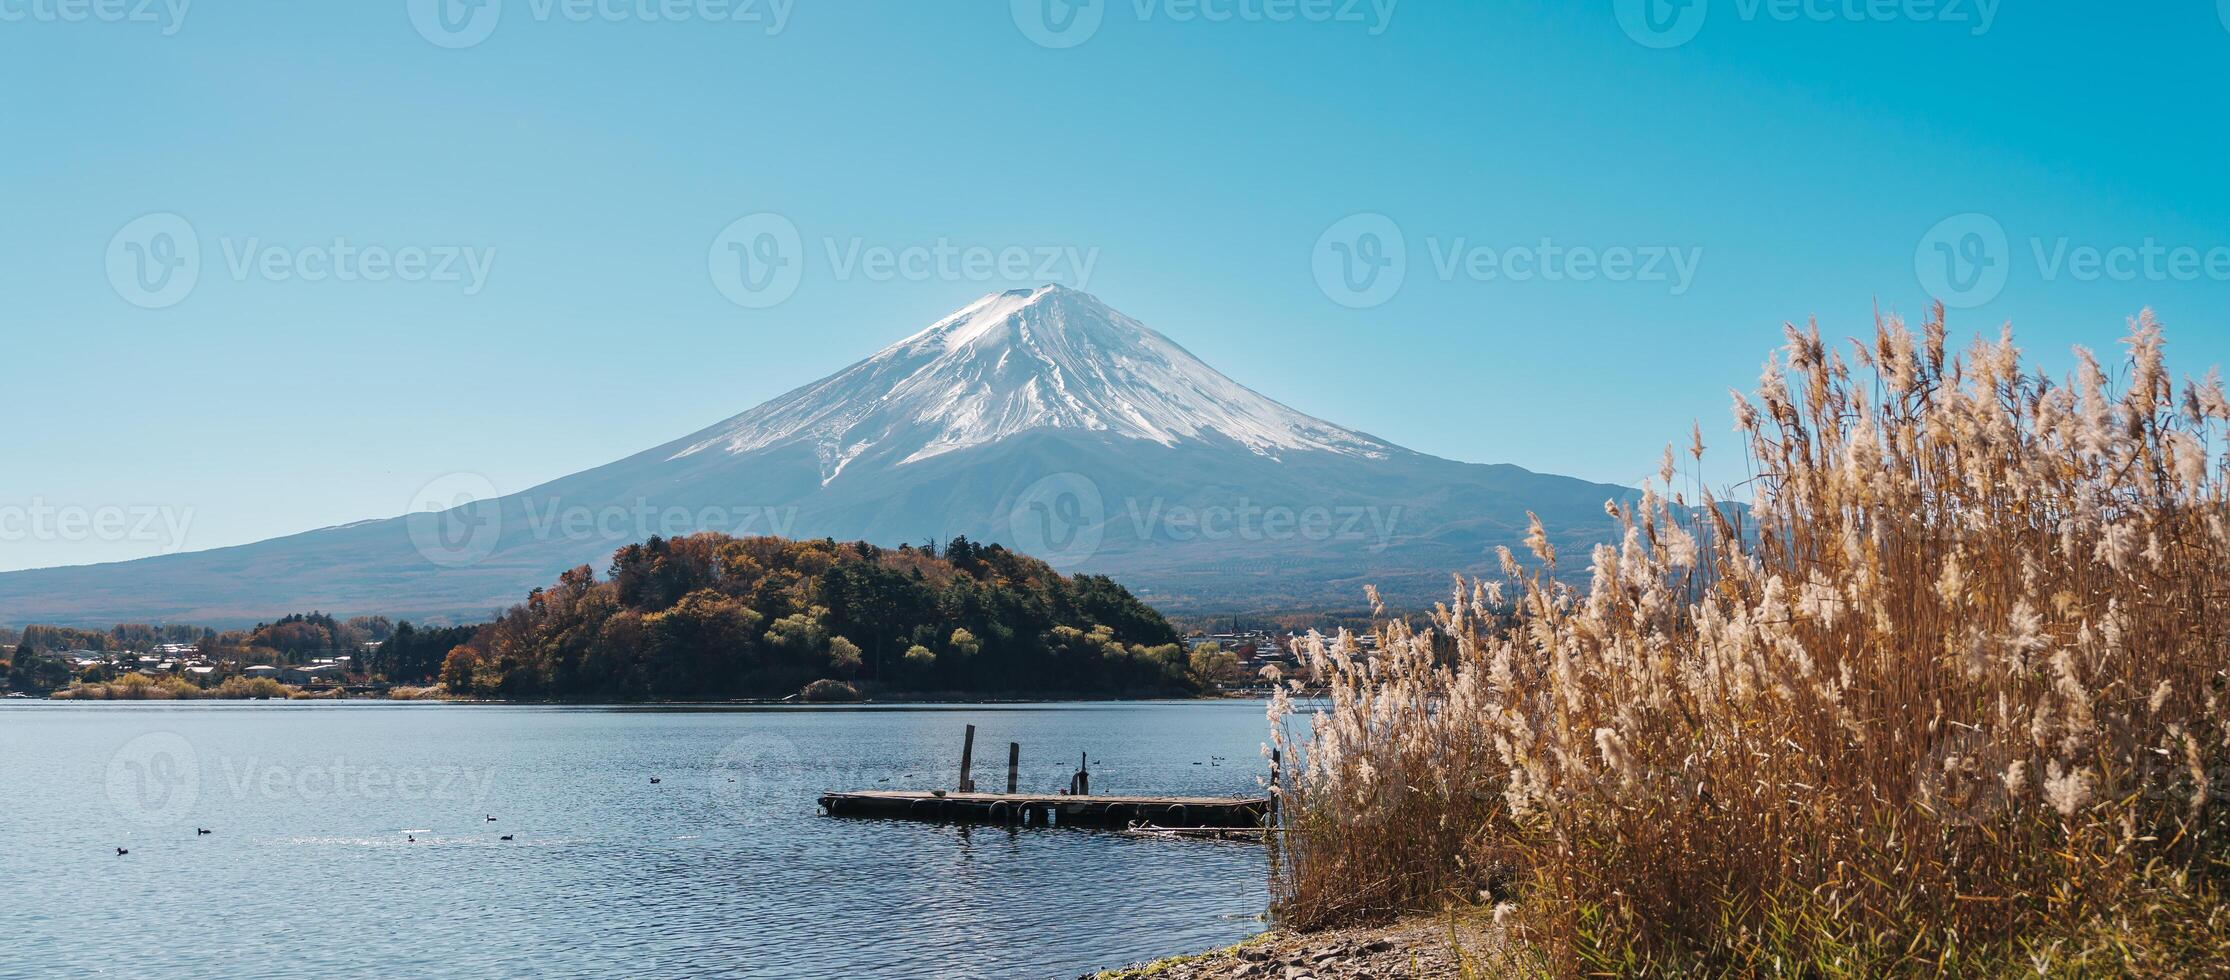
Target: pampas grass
<point>1949,695</point>
<point>165,687</point>
<point>141,687</point>
<point>245,688</point>
<point>132,687</point>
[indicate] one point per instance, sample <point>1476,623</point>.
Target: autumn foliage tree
<point>712,616</point>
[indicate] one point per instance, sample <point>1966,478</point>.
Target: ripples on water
<point>724,867</point>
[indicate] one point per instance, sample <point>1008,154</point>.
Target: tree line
<point>37,657</point>
<point>711,616</point>
<point>714,616</point>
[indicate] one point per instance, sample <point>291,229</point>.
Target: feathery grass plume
<point>1951,695</point>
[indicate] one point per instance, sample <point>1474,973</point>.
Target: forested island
<point>711,616</point>
<point>704,617</point>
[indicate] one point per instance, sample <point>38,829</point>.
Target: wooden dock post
<point>1014,764</point>
<point>967,759</point>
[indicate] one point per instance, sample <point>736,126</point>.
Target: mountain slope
<point>1041,419</point>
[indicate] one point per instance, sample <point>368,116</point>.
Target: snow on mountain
<point>1017,361</point>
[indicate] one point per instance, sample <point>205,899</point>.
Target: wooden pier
<point>1029,810</point>
<point>1075,807</point>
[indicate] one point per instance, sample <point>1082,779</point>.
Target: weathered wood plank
<point>1042,808</point>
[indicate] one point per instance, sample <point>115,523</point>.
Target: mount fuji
<point>1038,418</point>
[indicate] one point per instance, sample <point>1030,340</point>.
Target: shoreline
<point>1463,942</point>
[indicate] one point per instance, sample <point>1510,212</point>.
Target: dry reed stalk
<point>1950,691</point>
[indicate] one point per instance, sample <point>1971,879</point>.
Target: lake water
<point>724,867</point>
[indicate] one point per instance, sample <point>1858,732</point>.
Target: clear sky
<point>1193,164</point>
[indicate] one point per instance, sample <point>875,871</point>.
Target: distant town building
<point>310,674</point>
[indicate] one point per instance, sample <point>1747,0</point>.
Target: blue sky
<point>1800,158</point>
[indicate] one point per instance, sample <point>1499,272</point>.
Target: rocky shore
<point>1438,948</point>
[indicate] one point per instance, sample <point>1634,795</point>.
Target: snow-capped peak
<point>977,318</point>
<point>1017,361</point>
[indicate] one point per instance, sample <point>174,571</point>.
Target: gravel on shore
<point>1426,948</point>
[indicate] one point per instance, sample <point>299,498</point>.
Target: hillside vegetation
<point>713,616</point>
